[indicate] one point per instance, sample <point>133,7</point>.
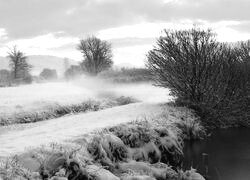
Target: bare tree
<point>212,78</point>
<point>18,64</point>
<point>185,61</point>
<point>97,55</point>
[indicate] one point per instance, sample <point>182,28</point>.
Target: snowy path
<point>14,139</point>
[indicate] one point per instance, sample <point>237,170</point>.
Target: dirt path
<point>14,139</point>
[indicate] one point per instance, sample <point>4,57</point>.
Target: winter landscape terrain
<point>15,138</point>
<point>124,90</point>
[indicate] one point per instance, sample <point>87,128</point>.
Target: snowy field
<point>15,138</point>
<point>39,96</point>
<point>36,96</point>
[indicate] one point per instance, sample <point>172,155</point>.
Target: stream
<point>225,155</point>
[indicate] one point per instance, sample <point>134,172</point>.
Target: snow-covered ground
<point>39,96</point>
<point>15,138</point>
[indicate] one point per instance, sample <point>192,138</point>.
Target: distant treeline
<point>212,78</point>
<point>97,57</point>
<point>127,75</point>
<point>7,78</point>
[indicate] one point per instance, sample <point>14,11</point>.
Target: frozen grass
<point>148,147</point>
<point>11,169</point>
<point>56,110</point>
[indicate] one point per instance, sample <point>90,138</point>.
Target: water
<point>228,153</point>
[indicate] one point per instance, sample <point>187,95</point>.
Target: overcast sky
<point>54,27</point>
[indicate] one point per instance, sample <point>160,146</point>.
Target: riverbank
<point>224,155</point>
<point>148,148</point>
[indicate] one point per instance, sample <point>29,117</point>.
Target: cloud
<point>71,11</point>
<point>141,30</point>
<point>130,43</point>
<point>135,55</point>
<point>79,17</point>
<point>59,44</point>
<point>146,32</point>
<point>3,35</point>
<point>46,41</point>
<point>54,27</point>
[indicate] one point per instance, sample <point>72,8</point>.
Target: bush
<point>5,77</point>
<point>212,78</point>
<point>48,74</point>
<point>72,72</point>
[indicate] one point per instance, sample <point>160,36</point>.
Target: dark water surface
<point>228,155</point>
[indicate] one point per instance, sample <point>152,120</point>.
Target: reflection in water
<point>226,153</point>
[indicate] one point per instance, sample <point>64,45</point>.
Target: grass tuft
<point>56,110</point>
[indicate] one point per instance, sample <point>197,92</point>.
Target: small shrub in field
<point>123,100</point>
<point>48,74</point>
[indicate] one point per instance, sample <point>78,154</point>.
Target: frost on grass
<point>57,110</point>
<point>145,148</point>
<point>10,169</point>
